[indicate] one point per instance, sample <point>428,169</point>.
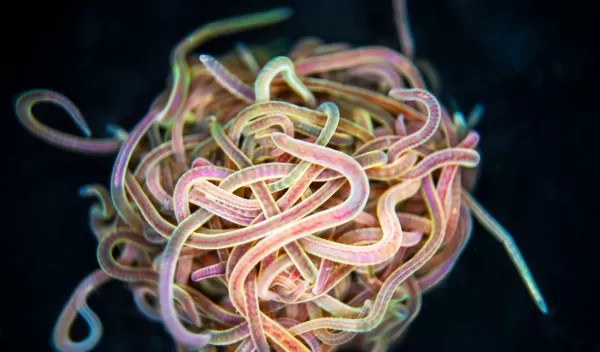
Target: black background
<point>528,61</point>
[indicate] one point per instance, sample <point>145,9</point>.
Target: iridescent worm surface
<point>299,202</point>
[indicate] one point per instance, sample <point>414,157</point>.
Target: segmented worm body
<point>296,202</point>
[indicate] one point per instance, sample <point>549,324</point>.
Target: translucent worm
<point>428,129</point>
<point>374,253</point>
<point>361,56</point>
<point>245,223</point>
<point>77,304</point>
<point>102,212</point>
<point>397,277</point>
<point>450,156</point>
<point>179,66</point>
<point>228,80</point>
<point>255,323</point>
<point>282,65</point>
<point>383,74</point>
<point>500,234</point>
<point>247,57</point>
<point>24,106</point>
<point>333,117</point>
<point>268,204</point>
<point>320,221</point>
<point>403,25</point>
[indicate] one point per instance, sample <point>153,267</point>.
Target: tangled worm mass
<point>295,203</point>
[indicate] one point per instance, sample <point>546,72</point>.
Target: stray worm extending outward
<point>330,191</point>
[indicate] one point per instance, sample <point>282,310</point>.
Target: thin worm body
<point>293,201</point>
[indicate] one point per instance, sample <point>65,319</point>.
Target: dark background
<point>528,61</point>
